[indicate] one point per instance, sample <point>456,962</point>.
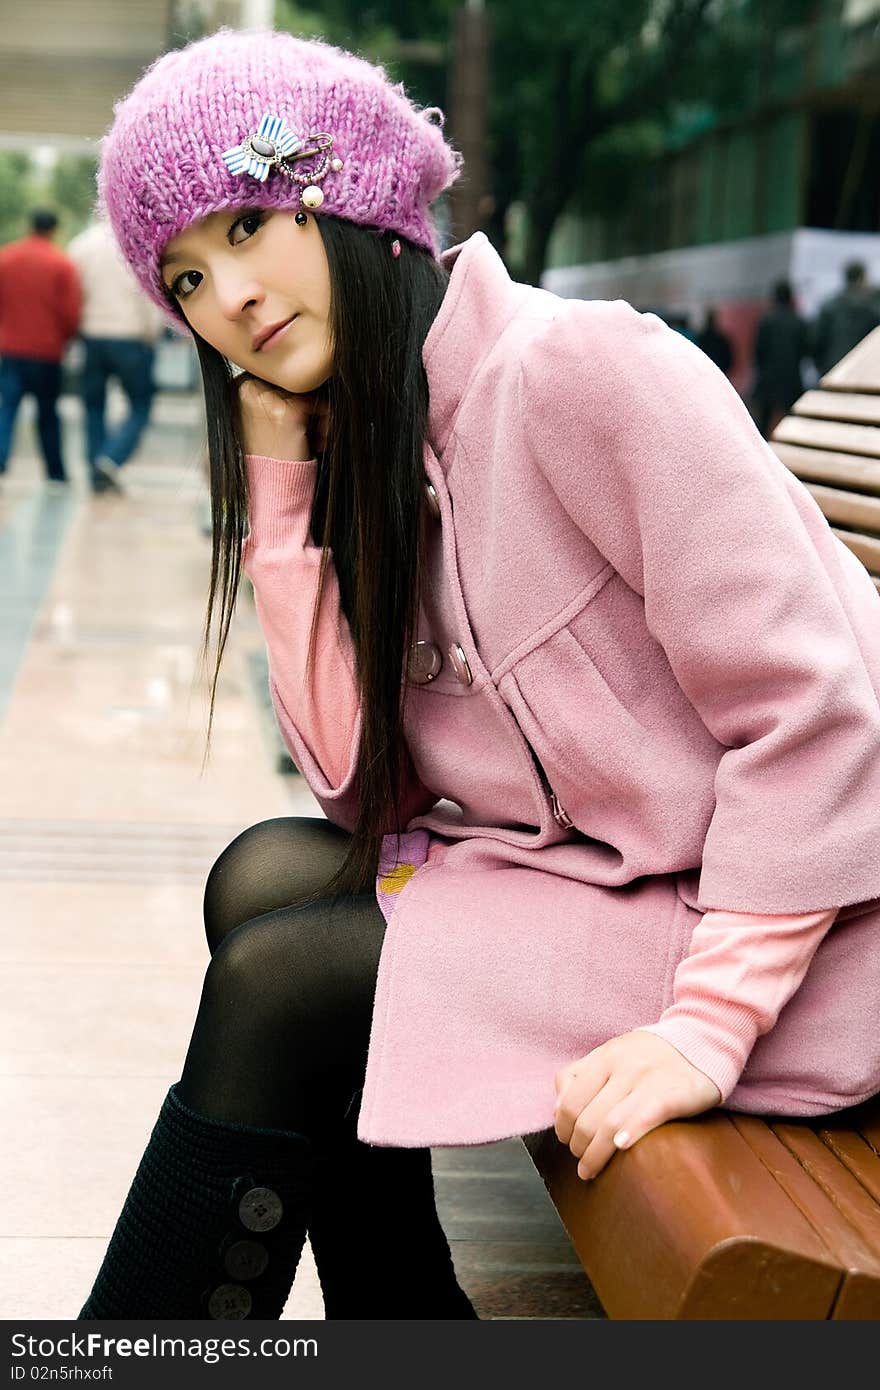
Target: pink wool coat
<point>666,641</point>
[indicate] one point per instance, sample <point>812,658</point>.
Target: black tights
<point>280,1041</point>
<point>281,1035</point>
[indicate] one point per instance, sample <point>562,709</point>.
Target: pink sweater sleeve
<point>741,970</point>
<point>282,562</point>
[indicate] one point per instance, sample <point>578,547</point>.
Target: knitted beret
<point>168,158</point>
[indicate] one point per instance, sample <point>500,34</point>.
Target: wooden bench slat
<point>845,1190</point>
<point>849,508</point>
<point>867,548</point>
<point>826,466</point>
<point>856,1155</point>
<point>829,434</point>
<point>850,406</point>
<point>859,370</point>
<point>860,1293</point>
<point>745,1250</point>
<point>845,1244</point>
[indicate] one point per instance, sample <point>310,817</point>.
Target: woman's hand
<point>278,424</point>
<point>620,1092</point>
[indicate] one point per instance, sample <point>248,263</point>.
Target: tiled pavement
<point>107,828</point>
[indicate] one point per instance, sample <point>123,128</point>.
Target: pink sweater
<point>742,968</point>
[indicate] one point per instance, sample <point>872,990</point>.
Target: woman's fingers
<point>274,423</point>
<point>631,1117</point>
<point>594,1128</point>
<point>576,1085</point>
<point>618,1093</point>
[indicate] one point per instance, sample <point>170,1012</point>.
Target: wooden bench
<point>731,1216</point>
<point>831,441</point>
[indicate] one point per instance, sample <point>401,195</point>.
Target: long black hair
<point>367,506</point>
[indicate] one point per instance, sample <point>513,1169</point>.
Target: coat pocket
<point>645,791</point>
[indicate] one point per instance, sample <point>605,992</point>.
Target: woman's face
<point>244,271</point>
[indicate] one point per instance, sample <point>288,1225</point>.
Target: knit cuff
<point>719,1049</point>
<point>280,493</point>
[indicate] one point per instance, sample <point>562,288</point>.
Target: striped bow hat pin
<point>276,146</point>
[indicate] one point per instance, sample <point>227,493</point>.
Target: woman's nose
<point>235,294</point>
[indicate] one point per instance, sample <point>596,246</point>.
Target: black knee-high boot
<point>378,1244</point>
<point>213,1225</point>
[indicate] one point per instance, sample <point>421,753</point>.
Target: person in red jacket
<point>39,314</point>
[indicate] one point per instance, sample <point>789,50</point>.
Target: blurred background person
<point>715,342</point>
<point>119,329</point>
<point>681,323</point>
<point>845,319</point>
<point>782,342</point>
<point>39,314</point>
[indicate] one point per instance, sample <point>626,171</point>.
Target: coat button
<point>459,663</point>
<point>246,1259</point>
<point>260,1209</point>
<point>425,662</point>
<point>230,1301</point>
<point>432,501</point>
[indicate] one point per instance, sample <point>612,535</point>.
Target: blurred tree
<point>67,186</point>
<point>72,192</point>
<point>16,194</point>
<point>308,24</point>
<point>409,40</point>
<point>581,95</point>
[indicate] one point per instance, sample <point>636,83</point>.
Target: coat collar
<point>480,300</point>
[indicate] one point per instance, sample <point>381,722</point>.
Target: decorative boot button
<point>424,663</point>
<point>230,1301</point>
<point>260,1209</point>
<point>459,663</point>
<point>246,1259</point>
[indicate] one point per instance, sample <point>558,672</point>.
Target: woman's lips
<point>277,335</point>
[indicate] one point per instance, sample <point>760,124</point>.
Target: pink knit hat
<point>229,120</point>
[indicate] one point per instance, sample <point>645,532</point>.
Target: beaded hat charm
<point>274,147</point>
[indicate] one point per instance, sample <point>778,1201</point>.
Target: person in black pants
<point>781,344</point>
<point>39,312</point>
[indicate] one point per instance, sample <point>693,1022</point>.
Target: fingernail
<point>621,1139</point>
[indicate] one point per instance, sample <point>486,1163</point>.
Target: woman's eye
<point>241,230</point>
<point>247,224</point>
<point>180,289</point>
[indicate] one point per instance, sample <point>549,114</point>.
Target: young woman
<point>583,681</point>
